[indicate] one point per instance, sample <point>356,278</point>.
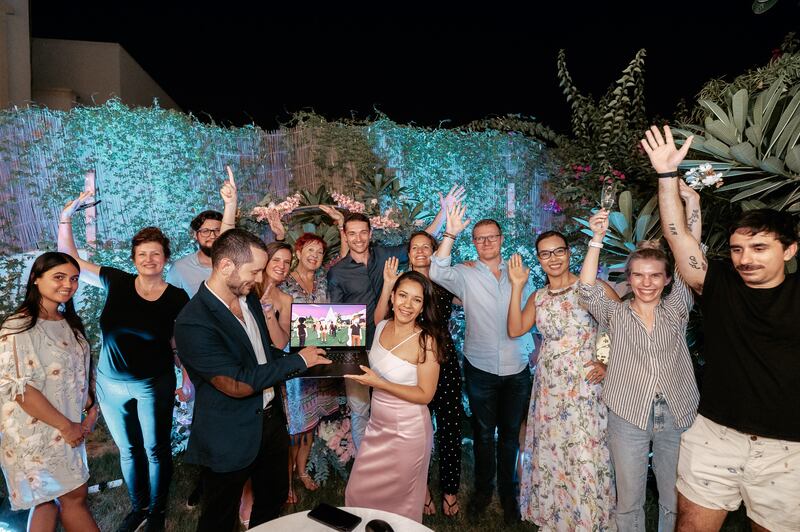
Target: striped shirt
<point>643,364</point>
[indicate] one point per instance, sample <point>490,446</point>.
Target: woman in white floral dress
<point>567,481</point>
<point>45,386</point>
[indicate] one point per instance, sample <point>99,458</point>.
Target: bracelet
<point>664,175</point>
<point>593,244</point>
<point>280,239</point>
<point>341,228</point>
<point>228,223</point>
<point>66,222</point>
<point>448,235</point>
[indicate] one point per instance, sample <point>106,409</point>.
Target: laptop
<point>340,329</point>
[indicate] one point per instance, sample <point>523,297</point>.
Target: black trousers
<point>223,491</point>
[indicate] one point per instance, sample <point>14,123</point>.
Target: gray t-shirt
<point>188,273</point>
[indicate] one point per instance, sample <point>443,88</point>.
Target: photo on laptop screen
<point>328,325</point>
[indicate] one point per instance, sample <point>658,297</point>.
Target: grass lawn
<point>110,507</point>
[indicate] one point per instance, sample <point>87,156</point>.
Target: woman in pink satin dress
<point>391,469</point>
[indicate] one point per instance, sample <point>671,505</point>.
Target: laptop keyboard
<point>343,357</point>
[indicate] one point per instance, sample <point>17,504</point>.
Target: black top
<point>752,349</point>
<point>136,332</point>
<point>352,282</point>
<point>444,305</point>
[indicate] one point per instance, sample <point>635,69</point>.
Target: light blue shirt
<point>487,345</point>
<point>188,273</point>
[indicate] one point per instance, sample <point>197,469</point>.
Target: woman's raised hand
<point>456,195</point>
<point>598,223</point>
<point>517,272</point>
<point>663,154</point>
<point>390,272</point>
<point>72,205</point>
<point>334,213</point>
<point>275,223</point>
<point>455,218</point>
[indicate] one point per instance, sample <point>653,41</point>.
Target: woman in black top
<point>446,405</point>
<point>135,375</point>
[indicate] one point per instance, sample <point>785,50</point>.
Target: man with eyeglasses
<point>190,271</point>
<point>498,380</point>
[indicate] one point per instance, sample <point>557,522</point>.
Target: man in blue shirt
<point>498,380</point>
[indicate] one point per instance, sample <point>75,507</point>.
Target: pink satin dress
<point>391,468</point>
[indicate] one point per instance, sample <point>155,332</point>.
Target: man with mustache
<point>745,442</point>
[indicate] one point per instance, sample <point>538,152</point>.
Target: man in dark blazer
<point>239,427</point>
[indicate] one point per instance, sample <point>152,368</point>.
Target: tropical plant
<point>755,142</point>
<point>626,230</point>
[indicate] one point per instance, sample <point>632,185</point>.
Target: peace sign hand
<point>663,154</point>
<point>228,190</point>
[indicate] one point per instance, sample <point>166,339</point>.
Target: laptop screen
<point>328,325</point>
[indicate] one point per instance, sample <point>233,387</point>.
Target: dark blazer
<point>226,431</point>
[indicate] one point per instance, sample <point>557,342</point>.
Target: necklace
<point>560,291</point>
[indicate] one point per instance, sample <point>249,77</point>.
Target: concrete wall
<point>94,71</point>
<point>137,87</point>
<point>15,53</point>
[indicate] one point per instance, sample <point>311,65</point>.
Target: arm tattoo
<point>673,230</point>
<point>694,263</point>
<point>693,218</point>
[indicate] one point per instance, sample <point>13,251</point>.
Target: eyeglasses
<point>206,232</point>
<point>547,253</point>
<point>487,238</point>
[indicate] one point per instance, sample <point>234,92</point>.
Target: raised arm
<point>338,219</point>
<point>691,207</point>
<point>442,272</point>
<point>422,393</point>
<point>230,200</point>
<point>390,276</point>
<point>456,195</point>
<point>520,320</point>
<point>665,158</point>
<point>90,272</point>
<point>598,223</point>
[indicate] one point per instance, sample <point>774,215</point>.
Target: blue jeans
<point>498,405</point>
<point>139,417</point>
<point>630,449</point>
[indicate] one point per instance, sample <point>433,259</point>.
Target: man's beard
<point>237,287</point>
<point>205,250</point>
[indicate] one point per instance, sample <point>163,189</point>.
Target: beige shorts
<point>719,467</point>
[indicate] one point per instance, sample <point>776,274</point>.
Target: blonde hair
<point>649,250</point>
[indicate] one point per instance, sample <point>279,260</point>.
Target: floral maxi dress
<point>38,464</point>
<point>567,479</point>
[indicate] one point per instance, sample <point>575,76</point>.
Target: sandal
<point>450,509</point>
<point>429,508</point>
<point>308,482</point>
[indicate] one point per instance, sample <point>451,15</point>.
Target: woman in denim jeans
<point>650,389</point>
<point>135,374</point>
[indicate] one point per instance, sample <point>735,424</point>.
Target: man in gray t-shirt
<point>189,271</point>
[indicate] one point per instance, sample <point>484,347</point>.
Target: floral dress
<point>38,464</point>
<point>567,481</point>
<point>307,401</point>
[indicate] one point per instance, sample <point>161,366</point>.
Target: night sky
<point>242,64</point>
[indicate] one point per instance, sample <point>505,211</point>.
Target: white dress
<point>38,464</point>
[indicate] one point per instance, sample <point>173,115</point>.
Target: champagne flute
<point>609,195</point>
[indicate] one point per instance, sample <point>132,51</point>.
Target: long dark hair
<point>432,325</point>
<point>27,313</point>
